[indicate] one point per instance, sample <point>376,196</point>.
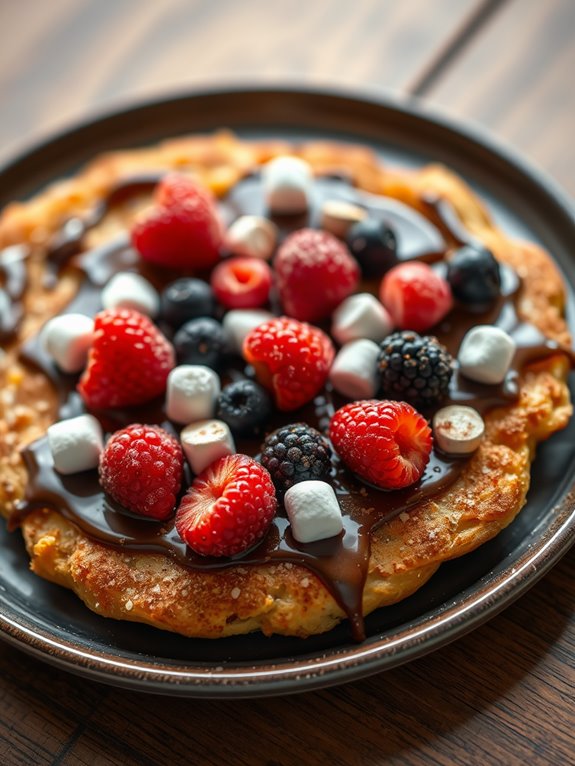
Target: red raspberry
<point>228,508</point>
<point>129,361</point>
<point>386,443</point>
<point>291,358</point>
<point>314,273</point>
<point>242,283</point>
<point>183,230</point>
<point>415,295</point>
<point>141,467</point>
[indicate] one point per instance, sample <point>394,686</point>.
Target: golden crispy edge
<point>282,598</point>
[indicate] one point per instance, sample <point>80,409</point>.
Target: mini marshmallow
<point>458,430</point>
<point>338,216</point>
<point>361,316</point>
<point>353,372</point>
<point>191,393</point>
<point>287,185</point>
<point>313,511</point>
<point>131,291</point>
<point>206,441</point>
<point>485,354</point>
<point>76,444</point>
<point>67,339</point>
<point>252,235</point>
<point>239,323</point>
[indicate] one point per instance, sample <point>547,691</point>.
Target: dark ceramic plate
<point>51,623</point>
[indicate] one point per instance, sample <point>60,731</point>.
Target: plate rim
<point>340,667</point>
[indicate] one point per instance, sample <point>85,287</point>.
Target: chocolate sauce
<point>14,277</point>
<point>341,562</point>
<point>69,240</point>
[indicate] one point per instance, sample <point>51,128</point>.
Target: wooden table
<point>501,695</point>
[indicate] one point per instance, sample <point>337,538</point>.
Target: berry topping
<point>228,508</point>
<point>291,358</point>
<point>186,299</point>
<point>374,245</point>
<point>314,273</point>
<point>385,443</point>
<point>413,368</point>
<point>296,453</point>
<point>244,405</point>
<point>474,276</point>
<point>141,467</point>
<point>242,283</point>
<point>128,363</point>
<point>415,295</point>
<point>201,341</point>
<point>183,230</point>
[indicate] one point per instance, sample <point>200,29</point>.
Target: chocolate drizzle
<point>341,563</point>
<point>14,277</point>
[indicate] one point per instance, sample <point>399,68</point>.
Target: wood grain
<point>504,693</point>
<point>64,59</point>
<point>516,79</point>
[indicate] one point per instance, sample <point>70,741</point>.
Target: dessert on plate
<point>266,386</point>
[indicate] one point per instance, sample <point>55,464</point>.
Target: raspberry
<point>413,368</point>
<point>385,443</point>
<point>141,467</point>
<point>314,273</point>
<point>296,453</point>
<point>291,358</point>
<point>242,283</point>
<point>228,508</point>
<point>183,230</point>
<point>128,363</point>
<point>415,295</point>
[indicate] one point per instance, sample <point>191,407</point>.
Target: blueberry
<point>374,246</point>
<point>474,276</point>
<point>187,299</point>
<point>201,341</point>
<point>244,406</point>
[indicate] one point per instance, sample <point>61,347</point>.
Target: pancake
<point>280,596</point>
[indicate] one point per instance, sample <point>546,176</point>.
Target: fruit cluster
<point>175,345</point>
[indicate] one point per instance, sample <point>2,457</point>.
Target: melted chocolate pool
<point>341,562</point>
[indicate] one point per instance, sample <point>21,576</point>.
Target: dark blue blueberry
<point>201,341</point>
<point>374,246</point>
<point>474,276</point>
<point>245,406</point>
<point>186,299</point>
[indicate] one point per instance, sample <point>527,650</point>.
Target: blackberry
<point>296,453</point>
<point>201,341</point>
<point>414,369</point>
<point>244,406</point>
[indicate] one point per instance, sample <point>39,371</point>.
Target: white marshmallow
<point>238,324</point>
<point>191,393</point>
<point>131,291</point>
<point>206,441</point>
<point>354,369</point>
<point>252,235</point>
<point>485,354</point>
<point>458,430</point>
<point>287,185</point>
<point>75,444</point>
<point>313,511</point>
<point>67,339</point>
<point>338,216</point>
<point>361,316</point>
